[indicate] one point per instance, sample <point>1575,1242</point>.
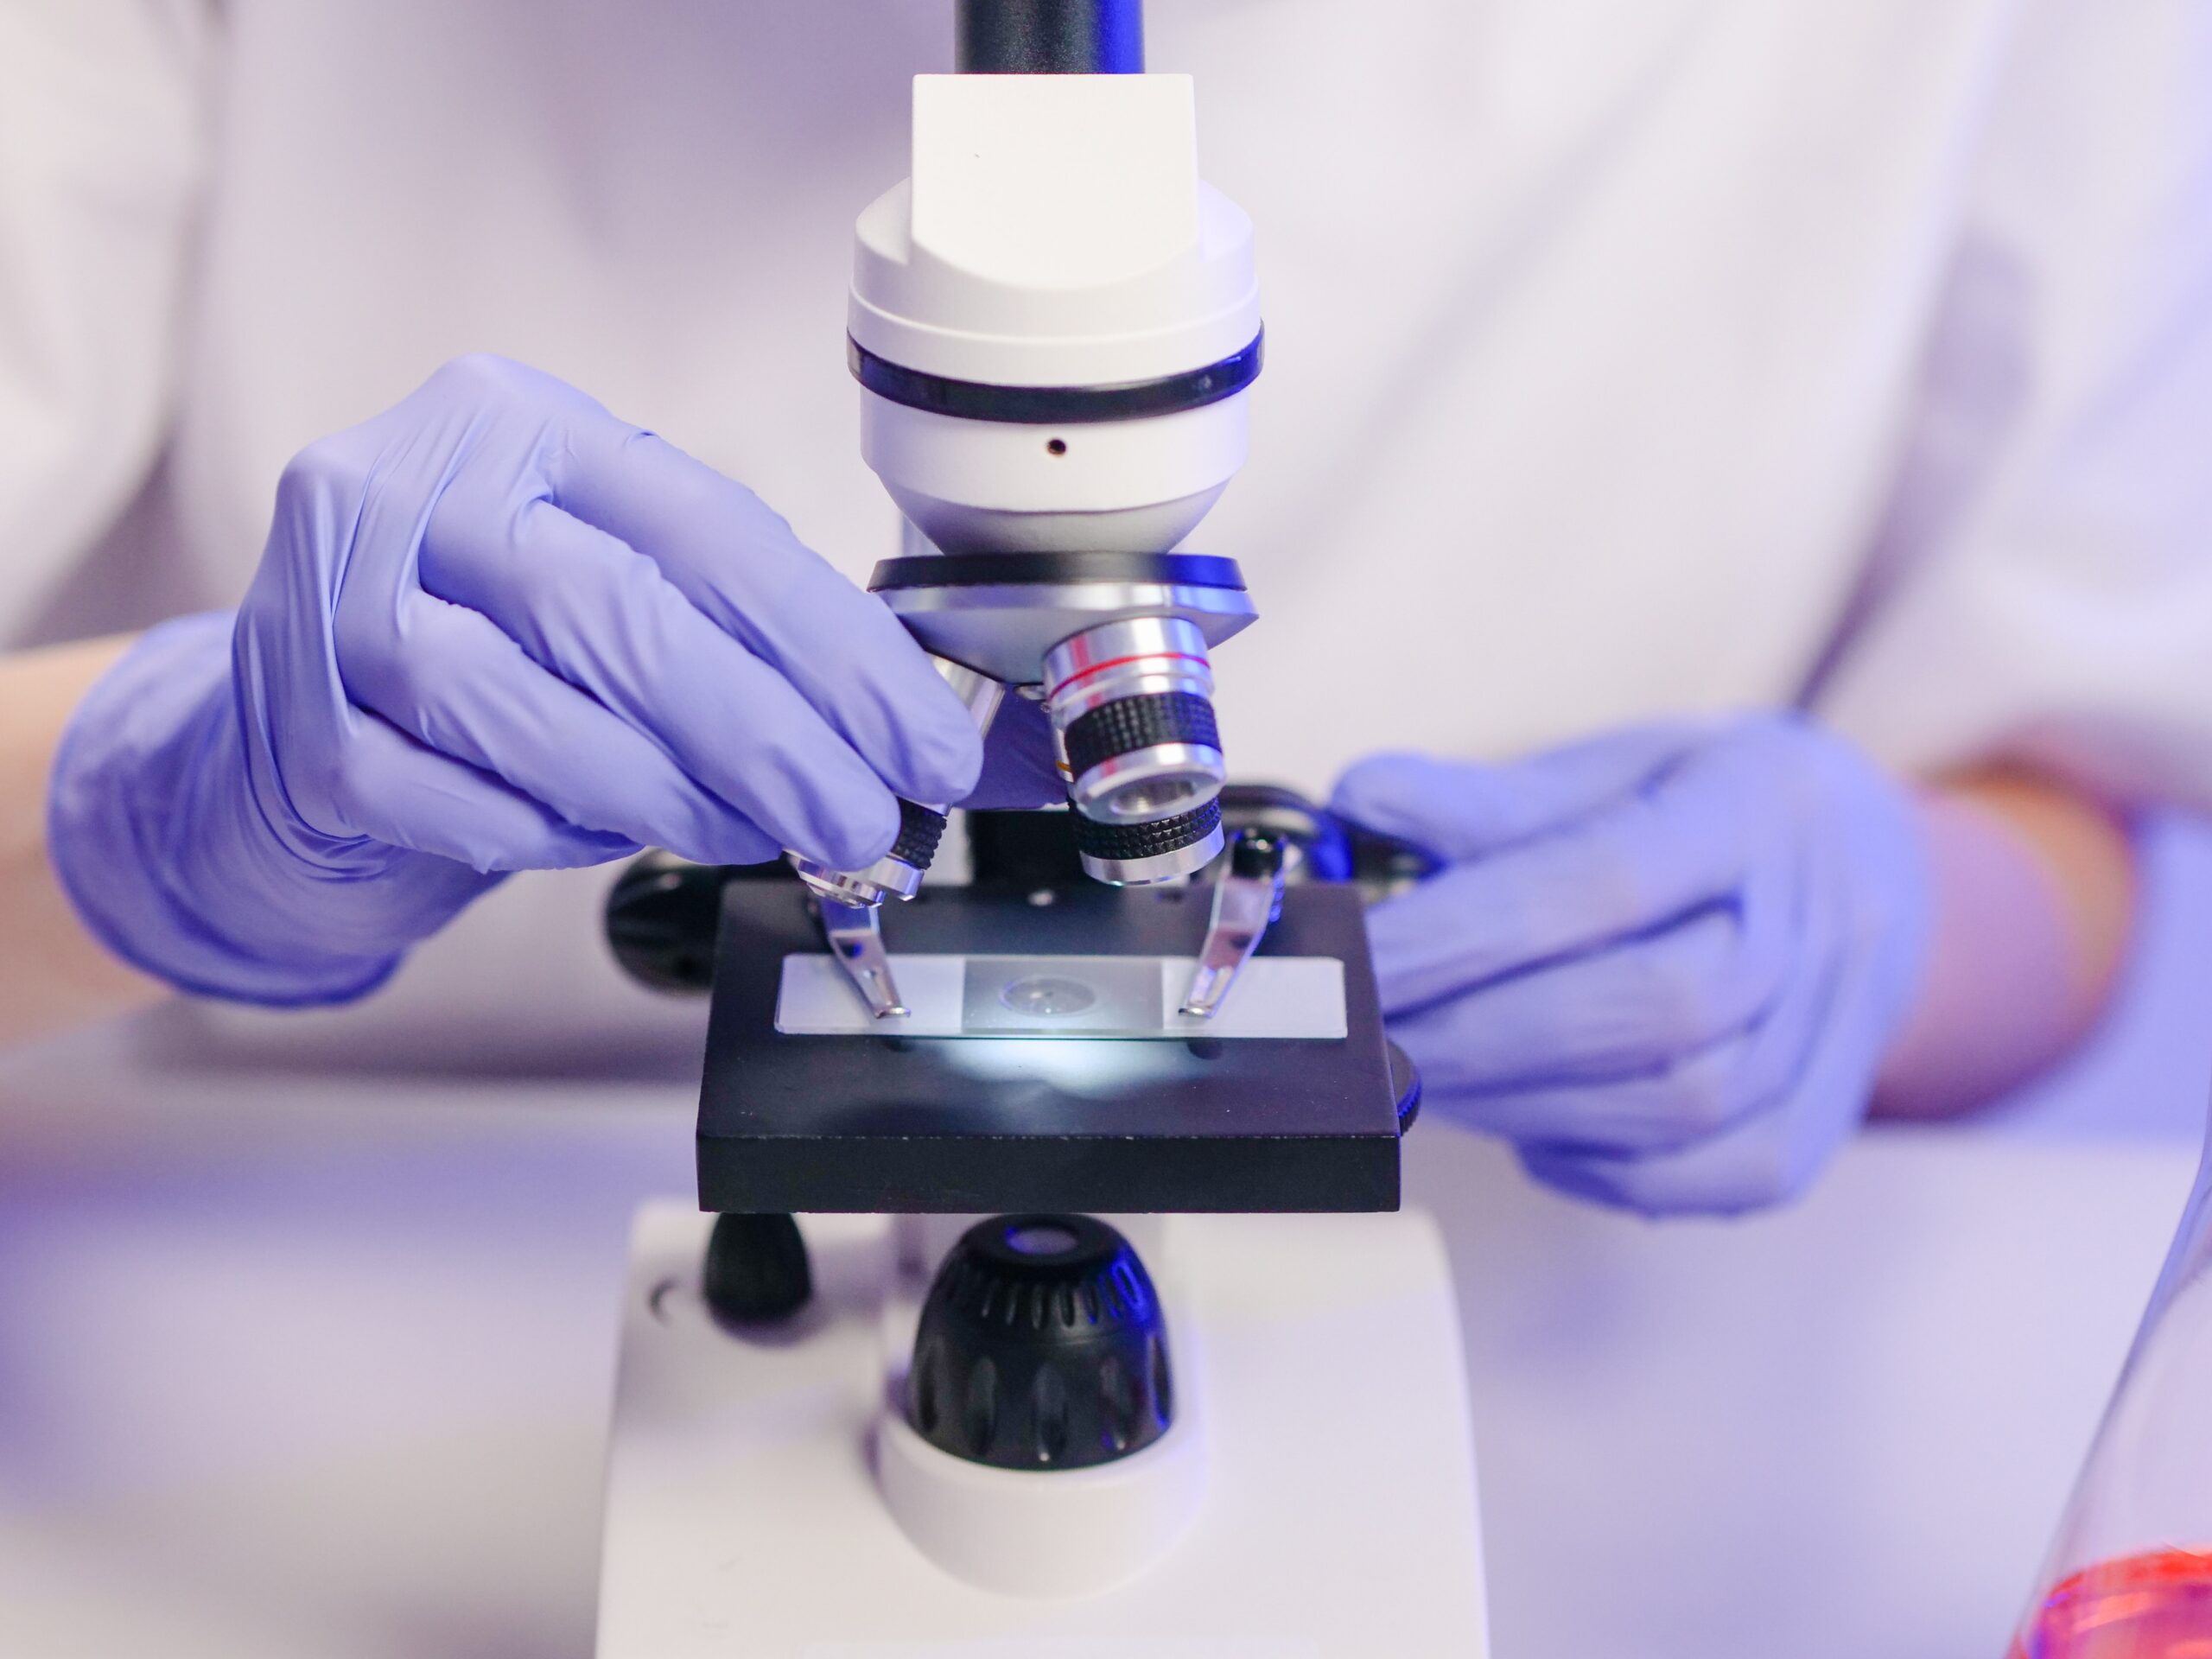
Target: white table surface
<point>291,1366</point>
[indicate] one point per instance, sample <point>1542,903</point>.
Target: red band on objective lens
<point>1117,661</point>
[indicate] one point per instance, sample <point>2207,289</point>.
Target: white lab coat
<point>1625,357</point>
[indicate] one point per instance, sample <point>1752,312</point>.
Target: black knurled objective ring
<point>919,831</point>
<point>1127,842</point>
<point>1129,724</point>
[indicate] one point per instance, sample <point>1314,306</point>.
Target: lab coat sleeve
<point>2043,582</point>
<point>103,148</point>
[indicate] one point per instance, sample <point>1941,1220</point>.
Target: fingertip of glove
<point>1396,795</point>
<point>857,837</point>
<point>1381,782</point>
<point>948,765</point>
<point>582,848</point>
<point>1572,1177</point>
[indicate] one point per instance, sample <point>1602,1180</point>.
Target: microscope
<point>1047,1294</point>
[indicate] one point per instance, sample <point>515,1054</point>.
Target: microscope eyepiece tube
<point>1132,702</point>
<point>1055,375</point>
<point>1050,37</point>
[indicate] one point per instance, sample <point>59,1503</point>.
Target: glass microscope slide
<point>1297,998</point>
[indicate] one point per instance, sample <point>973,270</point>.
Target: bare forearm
<point>53,973</point>
<point>2035,896</point>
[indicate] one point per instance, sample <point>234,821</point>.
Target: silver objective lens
<point>897,874</point>
<point>1140,854</point>
<point>1132,704</point>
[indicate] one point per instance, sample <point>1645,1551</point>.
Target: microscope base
<point>1339,1516</point>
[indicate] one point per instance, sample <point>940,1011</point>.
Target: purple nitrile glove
<point>1665,963</point>
<point>1021,764</point>
<point>494,628</point>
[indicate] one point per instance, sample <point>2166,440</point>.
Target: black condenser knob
<point>1405,1080</point>
<point>757,1270</point>
<point>663,913</point>
<point>1041,1346</point>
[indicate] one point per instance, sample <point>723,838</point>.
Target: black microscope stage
<point>957,1124</point>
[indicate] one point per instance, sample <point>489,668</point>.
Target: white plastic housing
<point>995,486</point>
<point>1055,232</point>
<point>1074,1532</point>
<point>1337,1518</point>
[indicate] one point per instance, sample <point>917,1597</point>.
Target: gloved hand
<point>1022,766</point>
<point>1665,963</point>
<point>494,628</point>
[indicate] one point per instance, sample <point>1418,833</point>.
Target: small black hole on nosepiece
<point>1057,447</point>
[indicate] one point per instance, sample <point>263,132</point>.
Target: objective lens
<point>897,872</point>
<point>1138,854</point>
<point>1132,702</point>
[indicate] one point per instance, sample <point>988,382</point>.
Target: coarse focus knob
<point>1041,1347</point>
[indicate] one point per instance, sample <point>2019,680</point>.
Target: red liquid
<point>2153,1607</point>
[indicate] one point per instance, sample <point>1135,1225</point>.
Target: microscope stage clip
<point>1246,899</point>
<point>855,936</point>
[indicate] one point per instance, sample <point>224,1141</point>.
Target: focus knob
<point>1041,1346</point>
<point>756,1270</point>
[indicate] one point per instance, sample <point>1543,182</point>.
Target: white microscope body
<point>1056,325</point>
<point>1314,1499</point>
<point>1055,238</point>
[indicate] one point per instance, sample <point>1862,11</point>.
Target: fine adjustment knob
<point>1041,1346</point>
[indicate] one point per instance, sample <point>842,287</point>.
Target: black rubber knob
<point>1041,1346</point>
<point>757,1270</point>
<point>663,913</point>
<point>661,917</point>
<point>1256,855</point>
